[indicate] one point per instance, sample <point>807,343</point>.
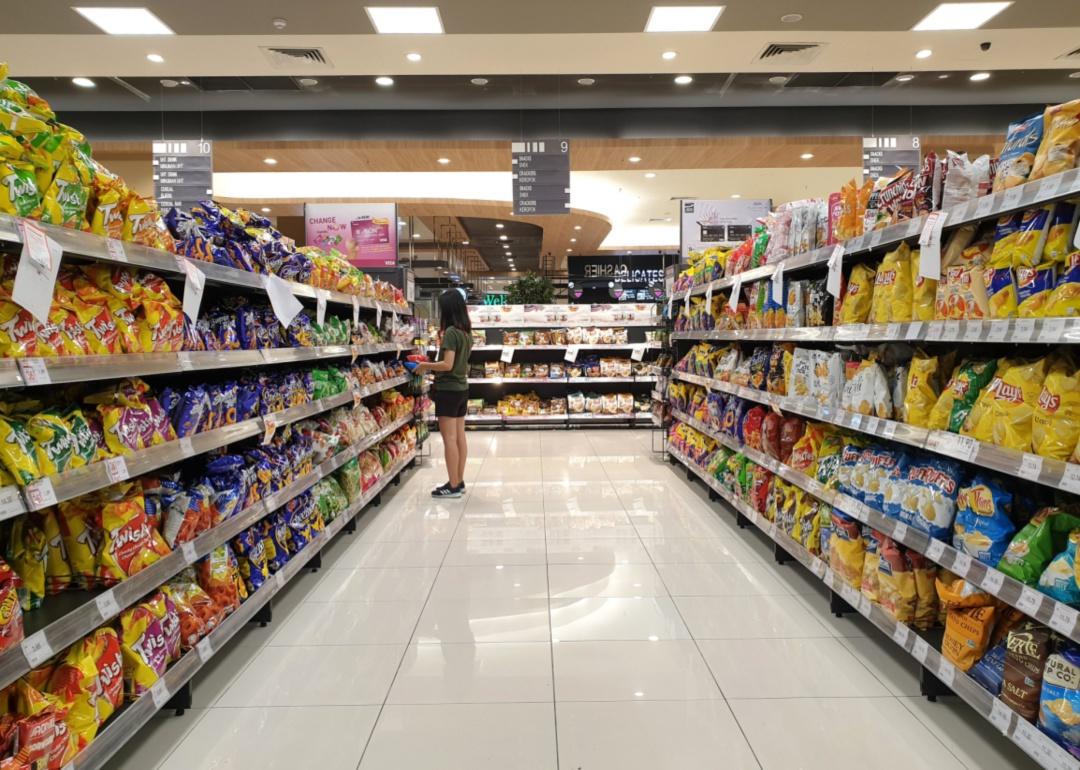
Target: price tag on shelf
<point>571,353</point>
<point>984,206</point>
<point>921,649</point>
<point>856,421</point>
<point>321,297</point>
<point>864,606</point>
<point>160,694</point>
<point>889,429</point>
<point>285,305</point>
<point>36,649</point>
<point>871,424</point>
<point>777,281</point>
<point>875,238</point>
<point>835,264</point>
<point>34,371</point>
<point>40,493</point>
<point>930,245</point>
<point>1030,600</point>
<point>507,355</point>
<point>1070,478</point>
<point>270,424</point>
<point>279,579</point>
<point>107,605</point>
<point>935,331</point>
<point>1000,715</point>
<point>961,564</point>
<point>997,331</point>
<point>190,554</point>
<point>205,649</point>
<point>1049,187</point>
<point>670,304</point>
<point>186,447</point>
<point>1023,330</point>
<point>914,226</point>
<point>708,295</point>
<point>992,581</point>
<point>892,331</point>
<point>964,447</point>
<point>116,469</point>
<point>1011,199</point>
<point>818,567</point>
<point>946,671</point>
<point>1063,620</point>
<point>357,398</point>
<point>183,360</point>
<point>115,250</point>
<point>11,502</point>
<point>914,330</point>
<point>736,292</point>
<point>1051,330</point>
<point>935,550</point>
<point>901,634</point>
<point>355,312</point>
<point>973,331</point>
<point>1030,466</point>
<point>637,353</point>
<point>900,531</point>
<point>194,285</point>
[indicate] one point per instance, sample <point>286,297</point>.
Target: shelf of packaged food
<point>50,490</point>
<point>1011,462</point>
<point>1027,736</point>
<point>1059,186</point>
<point>579,346</point>
<point>556,380</point>
<point>650,323</point>
<point>66,618</point>
<point>121,728</point>
<point>1062,618</point>
<point>90,246</point>
<point>64,369</point>
<point>477,419</point>
<point>1049,331</point>
<point>632,417</point>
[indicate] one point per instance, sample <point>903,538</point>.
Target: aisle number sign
<point>541,175</point>
<point>183,171</point>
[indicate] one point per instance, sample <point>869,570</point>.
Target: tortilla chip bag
<point>75,682</point>
<point>130,543</point>
<point>27,551</point>
<point>143,649</point>
<point>66,199</point>
<point>105,645</point>
<point>54,443</point>
<point>968,624</point>
<point>19,192</point>
<point>1055,424</point>
<point>82,538</point>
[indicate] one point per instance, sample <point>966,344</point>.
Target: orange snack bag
<point>219,576</point>
<point>110,667</point>
<point>130,543</point>
<point>75,682</point>
<point>197,612</point>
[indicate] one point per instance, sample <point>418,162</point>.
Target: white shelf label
<point>205,649</point>
<point>507,354</point>
<point>921,649</point>
<point>901,634</point>
<point>321,297</point>
<point>889,429</point>
<point>188,549</point>
<point>946,672</point>
<point>892,331</point>
<point>378,316</point>
<point>1030,600</point>
<point>279,579</point>
<point>708,297</point>
<point>285,305</point>
<point>984,206</point>
<point>818,567</point>
<point>961,564</point>
<point>864,606</point>
<point>1063,620</point>
<point>186,447</point>
<point>1023,329</point>
<point>997,331</point>
<point>36,649</point>
<point>116,469</point>
<point>571,353</point>
<point>965,447</point>
<point>935,550</point>
<point>1030,466</point>
<point>40,493</point>
<point>1011,199</point>
<point>777,281</point>
<point>355,312</point>
<point>11,502</point>
<point>270,423</point>
<point>34,371</point>
<point>184,361</point>
<point>935,330</point>
<point>973,331</point>
<point>670,305</point>
<point>736,291</point>
<point>159,693</point>
<point>107,606</point>
<point>1000,715</point>
<point>930,245</point>
<point>194,285</point>
<point>1052,330</point>
<point>115,250</point>
<point>1049,187</point>
<point>900,531</point>
<point>872,424</point>
<point>856,421</point>
<point>1070,478</point>
<point>638,353</point>
<point>836,264</point>
<point>914,330</point>
<point>950,330</point>
<point>993,581</point>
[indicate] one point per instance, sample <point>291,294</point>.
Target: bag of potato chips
<point>858,296</point>
<point>1064,301</point>
<point>1007,420</point>
<point>968,624</point>
<point>1055,424</point>
<point>1060,141</point>
<point>130,543</point>
<point>75,682</point>
<point>921,394</point>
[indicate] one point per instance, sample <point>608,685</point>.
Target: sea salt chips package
<point>1026,649</point>
<point>1059,700</point>
<point>969,621</point>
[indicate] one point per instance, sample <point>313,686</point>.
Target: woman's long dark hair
<point>452,311</point>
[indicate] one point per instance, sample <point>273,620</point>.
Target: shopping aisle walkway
<point>582,607</point>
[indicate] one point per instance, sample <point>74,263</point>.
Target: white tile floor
<point>582,608</point>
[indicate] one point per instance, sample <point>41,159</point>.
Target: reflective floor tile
<point>746,578</point>
<point>375,584</point>
<point>402,553</point>
<point>322,623</point>
<point>628,580</point>
<point>484,620</point>
<point>748,617</point>
<point>603,671</point>
<point>474,673</point>
<point>491,582</point>
<point>596,550</point>
<point>478,548</point>
<point>616,619</point>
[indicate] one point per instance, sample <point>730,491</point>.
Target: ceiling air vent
<point>290,58</point>
<point>790,53</point>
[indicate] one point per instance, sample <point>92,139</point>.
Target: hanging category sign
<point>541,175</point>
<point>183,172</point>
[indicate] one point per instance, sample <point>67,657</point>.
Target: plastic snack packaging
<point>75,683</point>
<point>892,300</point>
<point>847,549</point>
<point>82,539</point>
<point>27,552</point>
<point>1000,286</point>
<point>108,657</point>
<point>1007,406</point>
<point>771,426</point>
<point>41,734</point>
<point>959,395</point>
<point>804,452</point>
<point>144,649</point>
<point>983,526</point>
<point>1030,238</point>
<point>969,621</point>
<point>1055,424</point>
<point>195,609</point>
<point>11,614</point>
<point>896,592</point>
<point>1059,701</point>
<point>858,297</point>
<point>220,578</point>
<point>922,390</point>
<point>58,575</point>
<point>251,557</point>
<point>1018,154</point>
<point>1034,286</point>
<point>928,495</point>
<point>164,608</point>
<point>1060,140</point>
<point>53,441</point>
<point>130,543</point>
<point>1063,223</point>
<point>17,450</point>
<point>868,392</point>
<point>964,179</point>
<point>868,584</point>
<point>925,573</point>
<point>1058,580</point>
<point>1031,550</point>
<point>1026,649</point>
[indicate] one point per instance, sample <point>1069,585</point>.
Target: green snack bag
<point>972,378</point>
<point>1031,550</point>
<point>348,476</point>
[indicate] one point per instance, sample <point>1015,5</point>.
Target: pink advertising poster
<point>366,233</point>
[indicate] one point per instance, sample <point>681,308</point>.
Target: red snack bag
<point>791,430</point>
<point>110,668</point>
<point>11,616</point>
<point>75,683</point>
<point>760,485</point>
<point>219,576</point>
<point>770,434</point>
<point>194,608</point>
<point>752,425</point>
<point>130,543</point>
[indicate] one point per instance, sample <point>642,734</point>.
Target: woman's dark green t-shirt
<point>457,378</point>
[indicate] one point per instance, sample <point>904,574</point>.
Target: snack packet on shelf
<point>1060,143</point>
<point>144,649</point>
<point>1018,154</point>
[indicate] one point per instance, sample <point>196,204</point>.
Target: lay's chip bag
<point>921,392</point>
<point>1003,413</point>
<point>1055,424</point>
<point>984,525</point>
<point>1060,142</point>
<point>1064,301</point>
<point>1001,291</point>
<point>1059,239</point>
<point>1033,288</point>
<point>858,296</point>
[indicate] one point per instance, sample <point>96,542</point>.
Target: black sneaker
<point>447,491</point>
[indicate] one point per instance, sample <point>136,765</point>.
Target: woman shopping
<point>451,389</point>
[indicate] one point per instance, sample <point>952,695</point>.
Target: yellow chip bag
<point>1034,286</point>
<point>1061,140</point>
<point>924,292</point>
<point>1062,226</point>
<point>922,390</point>
<point>57,570</point>
<point>17,451</point>
<point>82,539</point>
<point>858,296</point>
<point>64,203</point>
<point>75,682</point>
<point>1055,424</point>
<point>131,544</point>
<point>892,287</point>
<point>20,195</point>
<point>1001,288</point>
<point>54,442</point>
<point>1010,404</point>
<point>27,551</point>
<point>144,649</point>
<point>1064,300</point>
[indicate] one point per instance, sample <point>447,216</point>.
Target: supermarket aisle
<point>582,607</point>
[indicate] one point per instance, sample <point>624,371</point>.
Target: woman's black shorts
<point>450,403</point>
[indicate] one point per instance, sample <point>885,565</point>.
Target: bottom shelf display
<point>78,709</point>
<point>1009,672</point>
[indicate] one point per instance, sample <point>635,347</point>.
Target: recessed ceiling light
<point>650,174</point>
<point>568,251</point>
<point>169,83</point>
<point>905,78</point>
<point>308,82</point>
<point>586,81</point>
<point>639,694</point>
<point>573,240</point>
<point>736,195</point>
<point>807,155</point>
<point>479,81</point>
<point>156,58</point>
<point>464,243</point>
<point>634,159</point>
<point>266,209</point>
<point>1074,75</point>
<point>669,55</point>
<point>416,235</point>
<point>270,161</point>
<point>185,82</point>
<point>510,254</point>
<point>405,21</point>
<point>502,237</point>
<point>778,80</point>
<point>683,18</point>
<point>924,53</point>
<point>125,21</point>
<point>683,80</point>
<point>83,82</point>
<point>961,15</point>
<point>384,81</point>
<point>413,56</point>
<point>443,161</point>
<point>977,76</point>
<point>577,227</point>
<point>499,225</point>
<point>791,18</point>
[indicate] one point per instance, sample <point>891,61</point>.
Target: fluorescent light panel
<point>683,18</point>
<point>961,15</point>
<point>124,21</point>
<point>406,21</point>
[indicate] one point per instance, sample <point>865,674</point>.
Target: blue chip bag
<point>880,467</point>
<point>989,670</point>
<point>1033,288</point>
<point>1058,580</point>
<point>850,455</point>
<point>984,525</point>
<point>1059,701</point>
<point>193,412</point>
<point>247,399</point>
<point>251,556</point>
<point>732,419</point>
<point>928,497</point>
<point>1018,154</point>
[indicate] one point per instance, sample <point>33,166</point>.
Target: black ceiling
<point>523,239</point>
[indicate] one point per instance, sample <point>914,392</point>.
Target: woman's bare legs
<point>448,427</point>
<point>463,448</point>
